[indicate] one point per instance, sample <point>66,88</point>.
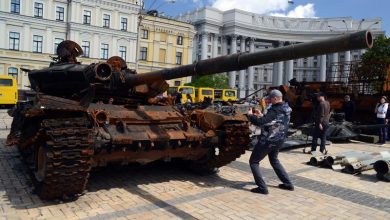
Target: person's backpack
<point>276,130</point>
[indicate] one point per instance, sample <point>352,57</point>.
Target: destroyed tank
<point>86,116</point>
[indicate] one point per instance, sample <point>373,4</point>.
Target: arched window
<point>12,71</point>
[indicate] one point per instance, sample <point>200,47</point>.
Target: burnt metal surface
<point>85,116</point>
<point>62,156</point>
<point>354,162</point>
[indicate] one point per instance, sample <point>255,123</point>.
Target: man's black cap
<point>319,94</point>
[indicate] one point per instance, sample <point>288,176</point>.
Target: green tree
<point>218,81</point>
<point>375,63</point>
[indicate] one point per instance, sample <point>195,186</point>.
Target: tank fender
<point>209,120</point>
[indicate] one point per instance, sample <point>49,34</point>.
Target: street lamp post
<point>346,25</point>
<point>360,27</point>
<point>377,22</point>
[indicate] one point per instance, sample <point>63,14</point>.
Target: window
<point>15,6</point>
<point>12,71</point>
<point>38,9</point>
<point>104,51</point>
<point>208,48</point>
<point>162,55</point>
<point>145,34</point>
<point>163,37</point>
<point>219,50</point>
<point>106,21</point>
<point>144,53</point>
<point>57,41</point>
<point>14,40</point>
<point>87,17</point>
<point>178,57</point>
<point>122,52</point>
<point>265,78</point>
<point>6,82</point>
<point>85,45</point>
<point>179,40</point>
<point>59,13</point>
<point>123,24</point>
<point>177,83</point>
<point>37,44</point>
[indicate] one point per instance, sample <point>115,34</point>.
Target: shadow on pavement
<point>18,191</point>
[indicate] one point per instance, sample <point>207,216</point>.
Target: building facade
<point>227,32</point>
<point>30,31</point>
<point>165,43</point>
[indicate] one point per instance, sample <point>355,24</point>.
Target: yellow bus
<point>8,91</point>
<point>203,92</point>
<point>186,90</point>
<point>225,95</point>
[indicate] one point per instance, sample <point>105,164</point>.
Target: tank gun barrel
<point>239,61</point>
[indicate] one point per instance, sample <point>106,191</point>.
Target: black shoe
<point>259,190</point>
<point>286,187</point>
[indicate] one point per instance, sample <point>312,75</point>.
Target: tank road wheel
<point>40,169</point>
<point>236,141</point>
<point>201,167</point>
<point>62,159</point>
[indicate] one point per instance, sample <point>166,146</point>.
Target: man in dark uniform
<point>274,126</point>
<point>348,108</point>
<point>179,96</point>
<point>321,122</point>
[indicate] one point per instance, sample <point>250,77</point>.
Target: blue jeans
<point>382,131</point>
<point>258,154</point>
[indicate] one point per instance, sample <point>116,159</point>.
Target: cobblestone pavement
<point>168,191</point>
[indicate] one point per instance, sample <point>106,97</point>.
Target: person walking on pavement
<point>274,126</point>
<point>321,122</point>
<point>381,111</point>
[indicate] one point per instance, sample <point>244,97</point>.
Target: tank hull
<point>62,141</point>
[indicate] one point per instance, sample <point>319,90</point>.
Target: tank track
<point>235,144</point>
<point>62,158</point>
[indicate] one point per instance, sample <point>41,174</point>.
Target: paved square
<point>170,192</point>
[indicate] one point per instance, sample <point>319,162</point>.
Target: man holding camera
<point>274,126</point>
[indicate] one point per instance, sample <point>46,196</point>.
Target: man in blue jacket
<point>274,126</point>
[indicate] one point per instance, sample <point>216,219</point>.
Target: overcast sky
<point>358,9</point>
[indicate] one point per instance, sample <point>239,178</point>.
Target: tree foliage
<point>376,60</point>
<point>218,81</point>
<point>375,63</point>
<point>380,51</point>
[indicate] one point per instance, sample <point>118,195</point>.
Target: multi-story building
<point>164,43</point>
<point>30,31</point>
<point>232,31</point>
